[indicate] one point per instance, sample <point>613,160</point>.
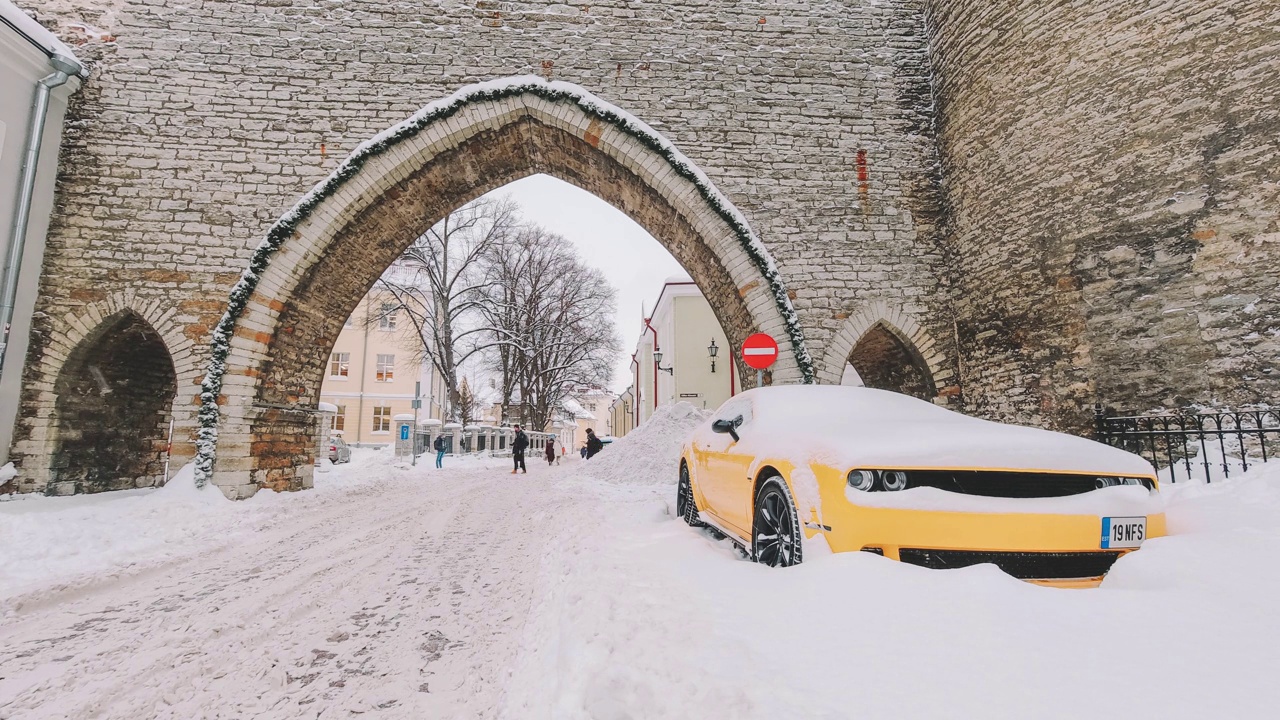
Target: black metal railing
<point>1187,445</point>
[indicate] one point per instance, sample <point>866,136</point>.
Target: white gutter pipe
<point>63,69</point>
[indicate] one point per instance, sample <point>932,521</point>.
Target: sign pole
<point>168,453</point>
<point>413,435</point>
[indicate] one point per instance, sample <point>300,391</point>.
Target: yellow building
<point>621,416</point>
<point>673,361</point>
<point>372,370</point>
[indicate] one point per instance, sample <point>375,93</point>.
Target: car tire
<point>775,526</point>
<point>686,506</point>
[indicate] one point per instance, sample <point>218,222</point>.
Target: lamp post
<point>711,352</point>
<point>657,363</point>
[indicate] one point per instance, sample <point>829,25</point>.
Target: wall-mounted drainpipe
<point>63,68</point>
<point>655,364</point>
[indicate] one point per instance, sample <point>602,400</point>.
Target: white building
<point>38,75</point>
<point>682,354</point>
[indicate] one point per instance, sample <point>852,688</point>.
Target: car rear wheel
<point>685,505</point>
<point>775,532</point>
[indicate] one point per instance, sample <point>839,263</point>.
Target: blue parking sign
<point>404,432</point>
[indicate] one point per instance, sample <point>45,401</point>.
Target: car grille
<point>1022,565</point>
<point>1005,484</point>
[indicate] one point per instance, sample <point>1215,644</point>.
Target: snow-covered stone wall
<point>1112,174</point>
<point>1096,216</point>
<point>204,122</point>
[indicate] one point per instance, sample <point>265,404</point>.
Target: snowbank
<point>642,616</point>
<point>650,454</point>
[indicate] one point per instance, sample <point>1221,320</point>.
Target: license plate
<point>1123,532</point>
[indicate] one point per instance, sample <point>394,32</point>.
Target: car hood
<point>954,442</point>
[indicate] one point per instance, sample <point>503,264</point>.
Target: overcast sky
<point>629,257</point>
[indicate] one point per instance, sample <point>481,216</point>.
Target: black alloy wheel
<point>685,505</point>
<point>775,534</point>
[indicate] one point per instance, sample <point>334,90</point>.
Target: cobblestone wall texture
<point>1088,208</point>
<point>1112,175</point>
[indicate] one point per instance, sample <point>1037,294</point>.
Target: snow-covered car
<point>782,470</point>
<point>339,450</point>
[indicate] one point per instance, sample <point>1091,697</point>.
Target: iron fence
<point>1185,445</point>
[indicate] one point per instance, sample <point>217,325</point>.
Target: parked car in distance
<point>339,450</point>
<point>779,468</point>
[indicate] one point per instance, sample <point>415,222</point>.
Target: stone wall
<point>203,122</point>
<point>1112,180</point>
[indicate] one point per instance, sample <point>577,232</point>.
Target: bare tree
<point>550,318</point>
<point>440,282</point>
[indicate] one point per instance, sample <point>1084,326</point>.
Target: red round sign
<point>759,351</point>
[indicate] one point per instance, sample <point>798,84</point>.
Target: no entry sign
<point>759,351</point>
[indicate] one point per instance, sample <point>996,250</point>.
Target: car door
<point>723,481</point>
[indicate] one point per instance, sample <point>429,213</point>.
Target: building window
<point>339,364</point>
<point>386,368</point>
<point>382,419</point>
<point>339,419</point>
<point>387,317</point>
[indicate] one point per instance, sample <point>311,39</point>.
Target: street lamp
<point>657,363</point>
<point>711,351</point>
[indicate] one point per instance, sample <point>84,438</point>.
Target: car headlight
<point>1105,482</point>
<point>893,480</point>
<point>864,480</point>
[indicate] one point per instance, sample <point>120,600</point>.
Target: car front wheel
<point>685,505</point>
<point>775,531</point>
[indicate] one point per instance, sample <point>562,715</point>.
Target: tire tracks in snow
<point>404,600</point>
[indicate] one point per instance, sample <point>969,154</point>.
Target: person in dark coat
<point>551,451</point>
<point>593,444</point>
<point>517,451</point>
<point>440,451</point>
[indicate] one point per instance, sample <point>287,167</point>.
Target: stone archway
<point>322,256</point>
<point>891,351</point>
<point>41,449</point>
<point>115,395</point>
<point>885,362</point>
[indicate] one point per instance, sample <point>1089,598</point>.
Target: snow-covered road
<point>406,595</point>
<point>572,594</point>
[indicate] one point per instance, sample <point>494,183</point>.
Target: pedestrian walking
<point>517,451</point>
<point>551,451</point>
<point>593,444</point>
<point>439,446</point>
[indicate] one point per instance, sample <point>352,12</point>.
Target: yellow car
<point>785,471</point>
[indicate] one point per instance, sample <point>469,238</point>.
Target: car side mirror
<point>726,426</point>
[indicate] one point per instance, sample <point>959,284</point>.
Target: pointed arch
<point>892,347</point>
<point>91,336</point>
<point>321,256</point>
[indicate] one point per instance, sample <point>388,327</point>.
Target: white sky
<point>634,262</point>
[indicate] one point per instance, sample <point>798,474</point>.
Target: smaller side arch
<point>39,450</point>
<point>866,325</point>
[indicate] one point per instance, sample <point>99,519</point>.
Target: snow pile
<point>642,616</point>
<point>7,473</point>
<point>650,454</point>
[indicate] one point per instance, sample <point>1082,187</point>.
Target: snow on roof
<point>327,407</point>
<point>35,33</point>
<point>575,409</point>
